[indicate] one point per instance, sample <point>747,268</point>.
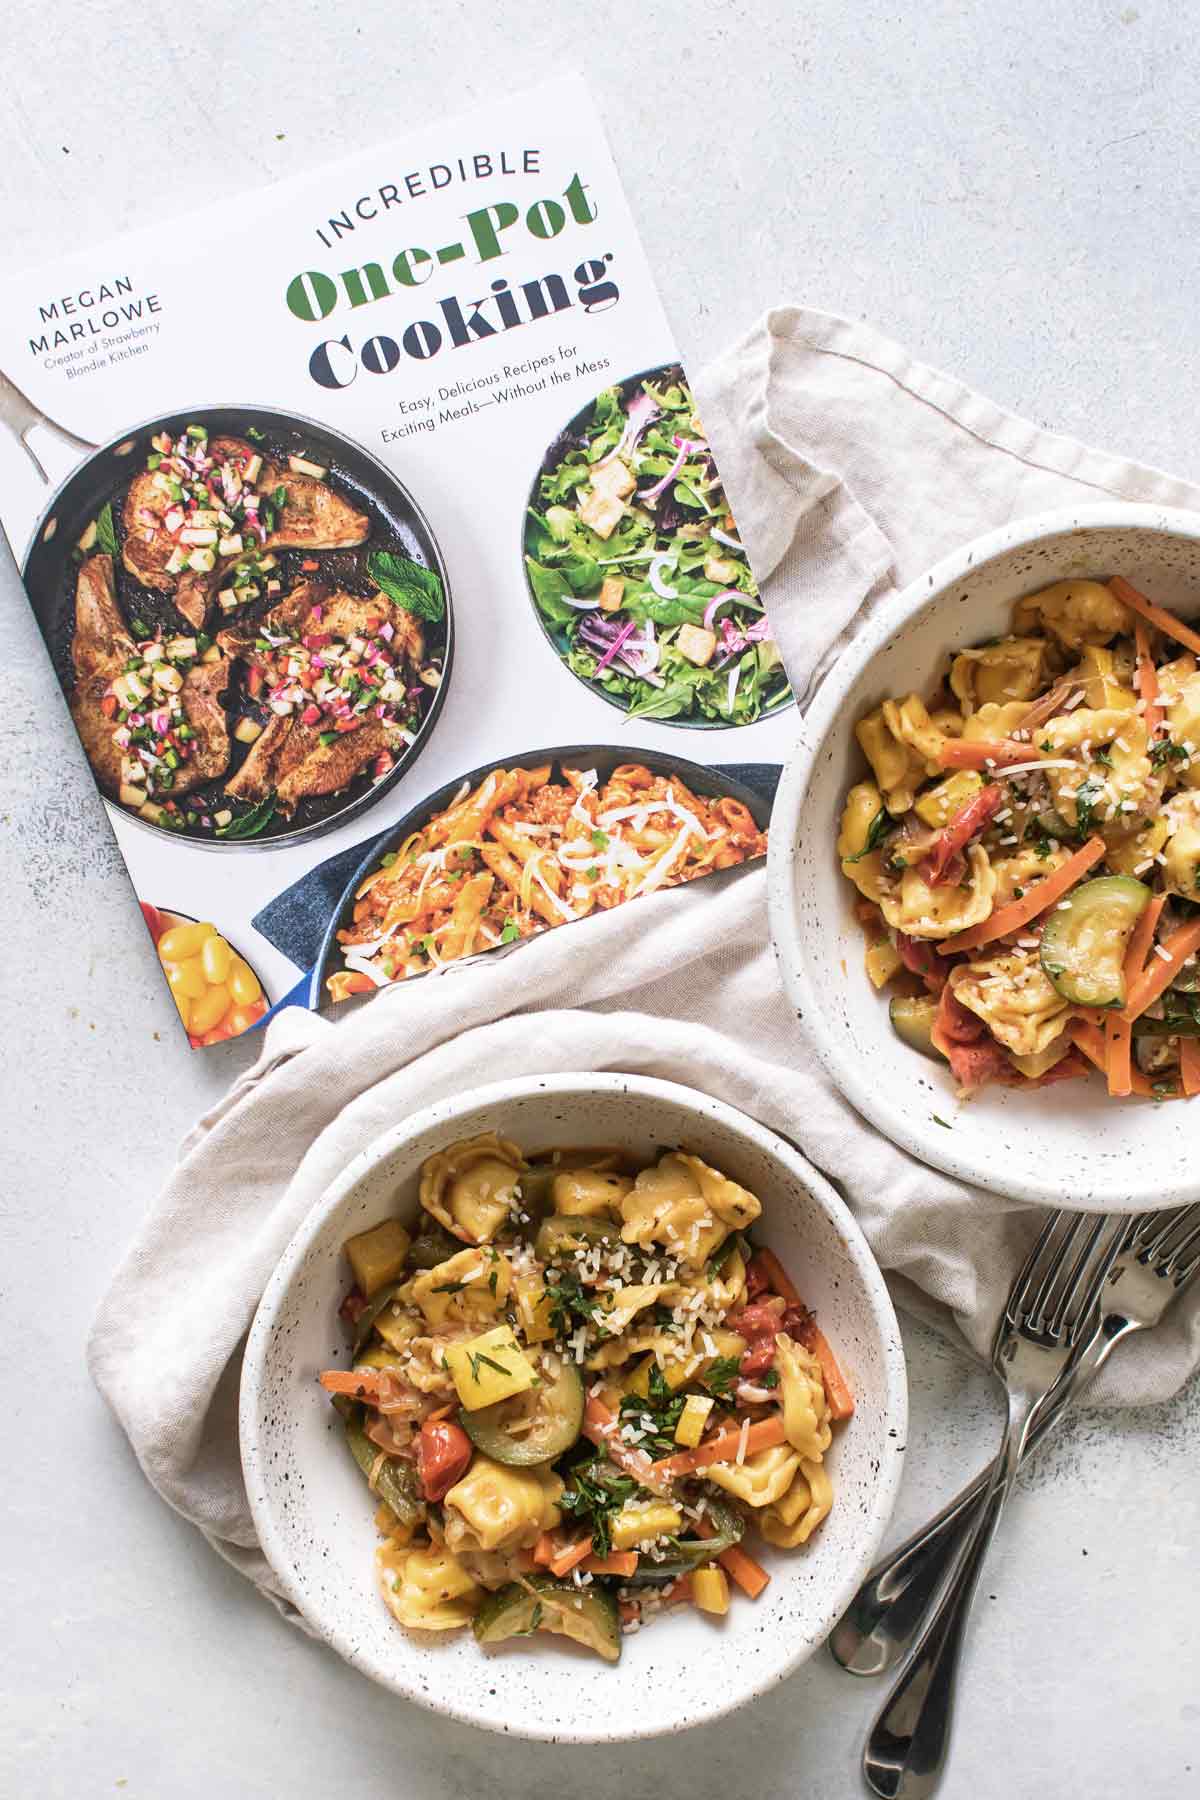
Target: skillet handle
<point>20,415</point>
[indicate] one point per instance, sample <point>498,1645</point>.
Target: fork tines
<point>1169,1242</point>
<point>1064,1273</point>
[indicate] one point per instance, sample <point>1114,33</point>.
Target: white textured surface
<point>1010,189</point>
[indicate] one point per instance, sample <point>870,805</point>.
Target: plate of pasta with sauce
<point>574,1370</point>
<point>995,807</point>
<point>514,848</point>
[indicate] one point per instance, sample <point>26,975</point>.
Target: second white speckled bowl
<point>1064,1146</point>
<point>314,1514</point>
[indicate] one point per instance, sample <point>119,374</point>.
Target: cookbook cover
<point>381,554</point>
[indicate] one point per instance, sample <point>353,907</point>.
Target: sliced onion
<point>734,675</point>
<point>723,538</point>
<point>719,600</point>
<point>665,559</point>
<point>625,632</point>
<point>581,605</point>
<point>685,448</point>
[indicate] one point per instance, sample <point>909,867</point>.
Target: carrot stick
<point>781,1282</point>
<point>1189,1065</point>
<point>568,1558</point>
<point>617,1562</point>
<point>750,1576</point>
<point>1033,902</point>
<point>1154,615</point>
<point>1141,938</point>
<point>1090,1039</point>
<point>544,1550</point>
<point>1147,679</point>
<point>722,1448</point>
<point>1118,1043</point>
<point>980,753</point>
<point>360,1384</point>
<point>1162,970</point>
<point>837,1388</point>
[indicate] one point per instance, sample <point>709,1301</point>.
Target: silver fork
<point>1161,1254</point>
<point>1048,1311</point>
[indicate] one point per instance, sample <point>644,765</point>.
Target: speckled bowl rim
<point>893,1387</point>
<point>923,1139</point>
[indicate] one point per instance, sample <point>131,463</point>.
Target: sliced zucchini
<point>371,1312</point>
<point>560,1235</point>
<point>535,1427</point>
<point>912,1020</point>
<point>1085,938</point>
<point>588,1615</point>
<point>432,1245</point>
<point>392,1480</point>
<point>690,1554</point>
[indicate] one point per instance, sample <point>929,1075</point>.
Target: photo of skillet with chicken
<point>251,620</point>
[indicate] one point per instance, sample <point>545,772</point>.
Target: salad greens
<point>636,569</point>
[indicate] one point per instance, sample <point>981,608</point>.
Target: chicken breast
<point>100,650</point>
<point>313,518</point>
<point>289,757</point>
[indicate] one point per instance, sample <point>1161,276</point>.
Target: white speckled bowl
<point>314,1515</point>
<point>1065,1146</point>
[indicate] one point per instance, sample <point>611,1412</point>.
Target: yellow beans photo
<point>216,957</point>
<point>216,991</point>
<point>244,984</point>
<point>210,1009</point>
<point>187,978</point>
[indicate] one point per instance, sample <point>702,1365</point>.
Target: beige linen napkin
<point>851,469</point>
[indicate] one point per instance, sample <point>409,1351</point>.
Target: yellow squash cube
<point>692,1420</point>
<point>640,1520</point>
<point>534,1306</point>
<point>940,804</point>
<point>710,1590</point>
<point>377,1256</point>
<point>489,1368</point>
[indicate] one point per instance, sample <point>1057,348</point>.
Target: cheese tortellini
<point>473,1187</point>
<point>901,743</point>
<point>1012,668</point>
<point>497,1508</point>
<point>761,1479</point>
<point>474,1282</point>
<point>1181,867</point>
<point>1076,612</point>
<point>1013,997</point>
<point>427,1588</point>
<point>921,911</point>
<point>794,1517</point>
<point>686,1207</point>
<point>588,1194</point>
<point>802,1394</point>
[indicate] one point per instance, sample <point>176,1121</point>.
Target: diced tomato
<point>109,705</point>
<point>954,1023</point>
<point>311,715</point>
<point>310,565</point>
<point>443,1453</point>
<point>373,625</point>
<point>974,1065</point>
<point>756,1279</point>
<point>254,682</point>
<point>347,724</point>
<point>940,865</point>
<point>757,1357</point>
<point>383,764</point>
<point>756,1320</point>
<point>920,958</point>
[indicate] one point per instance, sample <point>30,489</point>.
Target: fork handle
<point>881,1621</point>
<point>907,1744</point>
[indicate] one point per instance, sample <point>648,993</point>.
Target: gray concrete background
<point>1011,189</point>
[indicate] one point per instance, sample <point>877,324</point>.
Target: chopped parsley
<point>570,1303</point>
<point>1086,799</point>
<point>511,932</point>
<point>475,1357</point>
<point>599,840</point>
<point>1166,750</point>
<point>770,1379</point>
<point>720,1375</point>
<point>450,1287</point>
<point>662,1407</point>
<point>595,1490</point>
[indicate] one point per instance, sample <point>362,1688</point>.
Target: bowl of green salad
<point>635,569</point>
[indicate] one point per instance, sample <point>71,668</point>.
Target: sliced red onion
<point>685,448</point>
<point>581,605</point>
<point>723,538</point>
<point>625,632</point>
<point>640,413</point>
<point>719,600</point>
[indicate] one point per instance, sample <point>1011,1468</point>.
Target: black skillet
<point>397,523</point>
<point>710,784</point>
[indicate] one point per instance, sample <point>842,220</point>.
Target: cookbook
<point>376,538</point>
